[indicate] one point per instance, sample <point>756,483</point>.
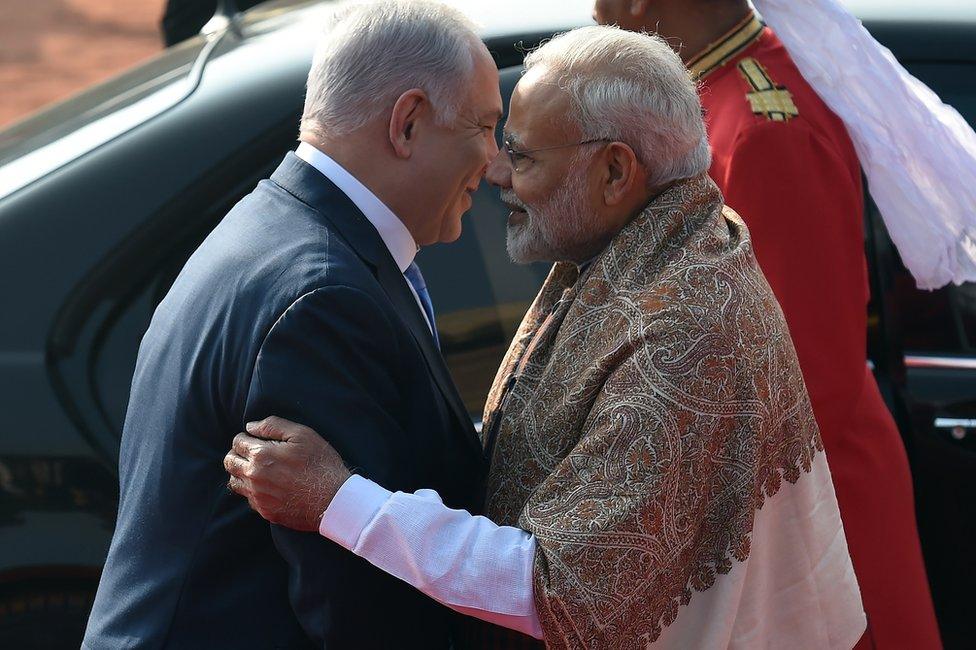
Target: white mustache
<point>509,198</point>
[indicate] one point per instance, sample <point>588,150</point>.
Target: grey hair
<point>371,53</point>
<point>634,89</point>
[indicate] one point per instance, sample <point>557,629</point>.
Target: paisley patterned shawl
<point>645,411</point>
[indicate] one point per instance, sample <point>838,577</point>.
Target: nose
<point>500,170</point>
<point>492,147</point>
<point>491,152</point>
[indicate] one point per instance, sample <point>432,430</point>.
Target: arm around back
<point>331,362</point>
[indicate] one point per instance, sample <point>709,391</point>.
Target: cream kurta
<point>656,437</point>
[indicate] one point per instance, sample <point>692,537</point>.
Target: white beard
<point>559,229</point>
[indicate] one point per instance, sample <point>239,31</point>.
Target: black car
<point>103,198</point>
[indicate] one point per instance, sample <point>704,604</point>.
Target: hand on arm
<point>288,473</point>
<point>291,475</point>
<point>329,362</point>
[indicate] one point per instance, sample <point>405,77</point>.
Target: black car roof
<point>284,32</point>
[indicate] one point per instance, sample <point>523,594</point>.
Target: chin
<point>451,234</point>
<point>522,245</point>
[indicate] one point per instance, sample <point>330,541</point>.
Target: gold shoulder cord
<point>767,98</point>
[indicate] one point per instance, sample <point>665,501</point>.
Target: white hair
<point>371,53</point>
<point>634,89</point>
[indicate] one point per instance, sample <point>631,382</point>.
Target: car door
<point>924,350</point>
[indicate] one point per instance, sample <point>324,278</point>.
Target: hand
<point>288,473</point>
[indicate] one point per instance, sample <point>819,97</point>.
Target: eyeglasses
<point>520,157</point>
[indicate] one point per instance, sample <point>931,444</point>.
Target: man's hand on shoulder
<point>288,473</point>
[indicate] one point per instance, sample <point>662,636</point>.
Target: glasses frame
<point>511,151</point>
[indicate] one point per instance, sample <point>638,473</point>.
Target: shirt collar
<point>394,234</point>
<point>730,44</point>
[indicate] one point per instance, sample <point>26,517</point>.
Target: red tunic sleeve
<point>802,202</point>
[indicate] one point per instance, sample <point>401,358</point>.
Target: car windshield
<point>155,80</point>
<point>61,132</point>
<point>57,135</point>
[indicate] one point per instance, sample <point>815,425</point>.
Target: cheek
<point>466,161</point>
<point>533,190</point>
<point>476,155</point>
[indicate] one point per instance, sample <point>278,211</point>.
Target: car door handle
<point>947,363</point>
<point>958,427</point>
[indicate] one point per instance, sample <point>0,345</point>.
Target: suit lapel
<point>395,285</point>
<point>308,185</point>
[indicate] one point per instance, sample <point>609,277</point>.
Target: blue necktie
<point>415,277</point>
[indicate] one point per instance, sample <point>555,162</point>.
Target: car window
<point>96,337</point>
<point>479,298</point>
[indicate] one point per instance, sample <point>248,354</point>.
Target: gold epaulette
<point>767,98</point>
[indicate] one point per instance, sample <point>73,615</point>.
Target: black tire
<point>44,618</point>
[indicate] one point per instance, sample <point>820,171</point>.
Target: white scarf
<point>919,154</point>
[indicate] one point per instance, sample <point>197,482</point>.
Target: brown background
<point>51,49</point>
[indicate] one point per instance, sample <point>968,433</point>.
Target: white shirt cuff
<point>351,510</point>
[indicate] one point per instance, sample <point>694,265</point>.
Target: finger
<point>236,465</point>
<point>268,508</point>
<point>239,485</point>
<point>243,444</point>
<point>270,428</point>
<point>278,429</point>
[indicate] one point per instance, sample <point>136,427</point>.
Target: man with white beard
<point>657,476</point>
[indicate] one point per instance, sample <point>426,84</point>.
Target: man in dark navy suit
<point>305,302</point>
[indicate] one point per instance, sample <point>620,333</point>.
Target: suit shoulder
<point>279,235</point>
<point>266,253</point>
<point>774,90</point>
<point>752,90</point>
<point>336,301</point>
<point>767,98</point>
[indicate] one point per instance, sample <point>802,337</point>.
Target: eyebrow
<point>495,116</point>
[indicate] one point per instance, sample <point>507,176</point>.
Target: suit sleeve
<point>328,363</point>
<point>802,203</point>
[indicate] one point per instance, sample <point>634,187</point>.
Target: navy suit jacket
<point>292,306</point>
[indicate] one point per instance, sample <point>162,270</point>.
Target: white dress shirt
<point>466,562</point>
<point>394,234</point>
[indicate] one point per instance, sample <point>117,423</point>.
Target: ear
<point>407,111</point>
<point>624,174</point>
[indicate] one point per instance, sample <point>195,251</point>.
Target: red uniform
<point>785,163</point>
